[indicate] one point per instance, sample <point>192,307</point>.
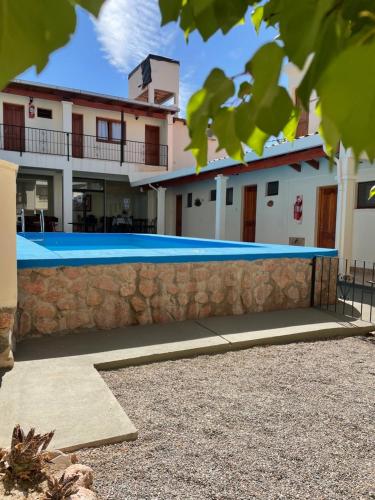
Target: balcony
<point>58,143</point>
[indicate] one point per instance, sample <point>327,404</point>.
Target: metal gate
<point>344,286</point>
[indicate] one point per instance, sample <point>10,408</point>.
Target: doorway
<point>179,215</point>
<point>14,127</point>
<point>152,145</point>
<point>249,213</point>
<point>77,135</point>
<point>327,207</point>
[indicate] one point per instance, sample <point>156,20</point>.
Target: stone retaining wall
<point>7,316</point>
<point>69,298</point>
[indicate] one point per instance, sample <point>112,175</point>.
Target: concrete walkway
<point>55,383</point>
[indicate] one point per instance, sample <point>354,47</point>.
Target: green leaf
<point>372,193</point>
<point>257,17</point>
<point>170,10</point>
<point>30,32</point>
<point>274,117</point>
<point>257,141</point>
<point>92,6</point>
<point>290,129</point>
<point>223,127</point>
<point>244,90</point>
<point>300,26</point>
<point>265,68</point>
<point>347,99</point>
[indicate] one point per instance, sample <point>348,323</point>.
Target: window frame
<point>110,139</point>
<point>229,200</point>
<point>189,200</point>
<point>267,187</point>
<point>44,109</point>
<point>358,205</point>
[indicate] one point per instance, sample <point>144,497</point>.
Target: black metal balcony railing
<point>55,142</point>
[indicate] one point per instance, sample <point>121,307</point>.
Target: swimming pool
<point>71,281</point>
<point>76,249</point>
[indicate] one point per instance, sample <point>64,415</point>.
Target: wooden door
<point>179,215</point>
<point>77,135</point>
<point>14,127</point>
<point>152,145</point>
<point>249,213</point>
<point>327,207</point>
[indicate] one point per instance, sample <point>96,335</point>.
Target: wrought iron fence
<point>344,286</point>
<point>55,142</point>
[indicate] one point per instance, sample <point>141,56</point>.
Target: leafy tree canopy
<point>332,40</point>
<point>32,29</point>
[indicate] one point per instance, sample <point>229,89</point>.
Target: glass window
<point>213,195</point>
<point>363,196</point>
<point>102,130</point>
<point>34,194</point>
<point>272,188</point>
<point>229,196</point>
<point>44,113</point>
<point>190,200</point>
<point>87,184</point>
<point>116,131</point>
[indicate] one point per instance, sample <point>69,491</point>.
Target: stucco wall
<point>274,224</point>
<point>61,299</point>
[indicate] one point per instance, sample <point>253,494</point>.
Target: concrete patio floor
<point>55,383</point>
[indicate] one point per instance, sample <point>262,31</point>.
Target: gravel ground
<point>292,421</point>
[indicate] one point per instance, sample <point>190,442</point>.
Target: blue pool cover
<point>83,249</point>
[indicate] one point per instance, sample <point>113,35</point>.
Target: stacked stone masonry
<point>52,300</point>
<point>7,316</point>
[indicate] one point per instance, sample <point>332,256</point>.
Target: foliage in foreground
<point>59,489</point>
<point>332,40</point>
<point>27,456</point>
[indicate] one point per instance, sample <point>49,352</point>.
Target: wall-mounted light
<point>136,117</point>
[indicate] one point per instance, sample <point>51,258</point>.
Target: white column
<point>170,141</point>
<point>68,198</point>
<point>346,180</point>
<point>221,190</point>
<point>161,210</point>
<point>67,110</point>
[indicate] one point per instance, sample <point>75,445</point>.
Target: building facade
<point>95,162</point>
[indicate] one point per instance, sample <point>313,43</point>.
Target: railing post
<point>68,145</point>
<point>122,139</point>
<point>313,278</point>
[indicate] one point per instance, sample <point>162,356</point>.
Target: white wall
<point>274,224</point>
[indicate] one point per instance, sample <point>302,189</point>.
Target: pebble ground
<point>280,422</point>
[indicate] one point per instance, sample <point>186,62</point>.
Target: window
<point>189,200</point>
<point>363,195</point>
<point>229,196</point>
<point>34,193</point>
<point>109,130</point>
<point>272,188</point>
<point>44,113</point>
<point>213,195</point>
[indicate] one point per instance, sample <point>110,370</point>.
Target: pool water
<point>77,249</point>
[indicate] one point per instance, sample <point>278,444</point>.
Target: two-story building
<point>79,151</point>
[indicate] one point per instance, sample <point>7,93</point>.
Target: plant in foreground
<point>27,455</point>
<point>60,489</point>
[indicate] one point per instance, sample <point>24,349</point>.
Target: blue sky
<point>101,53</point>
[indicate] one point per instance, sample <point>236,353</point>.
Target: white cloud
<point>186,89</point>
<point>129,30</point>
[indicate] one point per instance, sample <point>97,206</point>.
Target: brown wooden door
<point>152,145</point>
<point>327,216</point>
<point>77,135</point>
<point>249,213</point>
<point>179,215</point>
<point>14,127</point>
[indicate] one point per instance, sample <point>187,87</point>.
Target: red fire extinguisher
<point>297,212</point>
<point>31,108</point>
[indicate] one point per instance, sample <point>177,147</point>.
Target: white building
<point>104,163</point>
